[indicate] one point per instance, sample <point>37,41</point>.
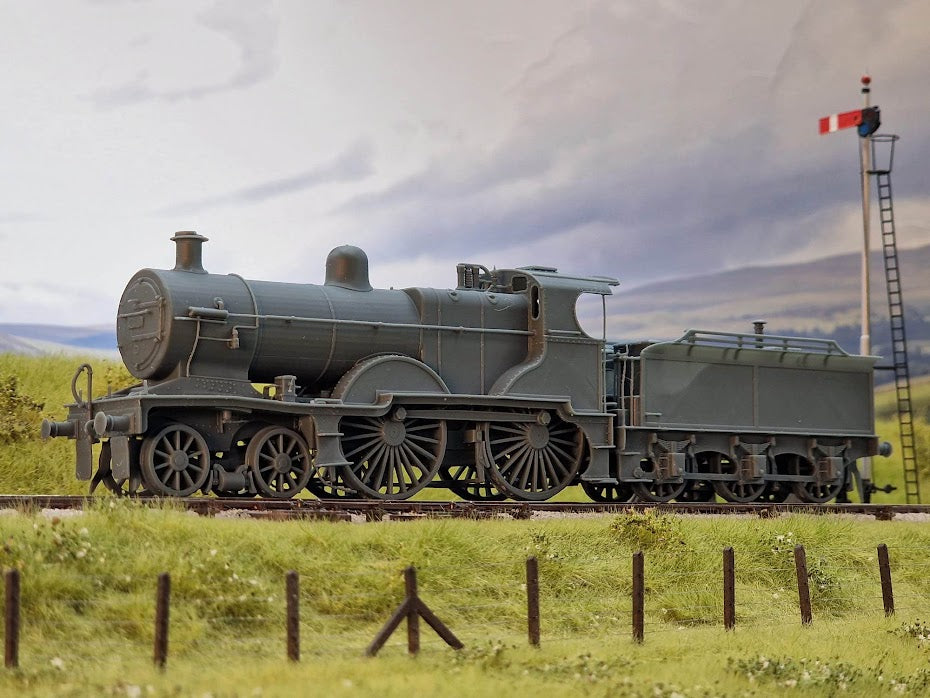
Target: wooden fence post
<point>638,596</point>
<point>292,592</point>
<point>729,589</point>
<point>413,617</point>
<point>11,639</point>
<point>804,592</point>
<point>884,570</point>
<point>532,600</point>
<point>162,599</point>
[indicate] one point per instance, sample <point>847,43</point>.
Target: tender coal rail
<point>374,510</point>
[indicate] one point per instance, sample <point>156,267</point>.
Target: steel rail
<point>372,509</point>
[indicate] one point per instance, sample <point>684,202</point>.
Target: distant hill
<point>818,298</point>
<point>38,340</point>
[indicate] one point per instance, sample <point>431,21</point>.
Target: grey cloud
<point>352,165</point>
<point>18,217</point>
<point>249,26</point>
<point>692,176</point>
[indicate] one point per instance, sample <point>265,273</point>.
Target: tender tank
<point>185,321</point>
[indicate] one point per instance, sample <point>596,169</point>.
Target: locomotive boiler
<point>491,389</point>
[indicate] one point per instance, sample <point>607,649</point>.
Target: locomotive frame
<point>491,389</point>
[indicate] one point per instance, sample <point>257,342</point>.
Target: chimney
<point>189,251</point>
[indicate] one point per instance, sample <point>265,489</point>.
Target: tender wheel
<point>813,492</point>
<point>621,492</point>
<point>775,493</point>
<point>175,461</point>
<point>697,491</point>
<point>462,480</point>
<point>328,483</point>
<point>533,460</point>
<point>731,490</point>
<point>392,457</point>
<point>280,462</point>
<point>658,492</point>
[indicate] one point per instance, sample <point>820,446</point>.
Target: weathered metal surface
<point>490,390</point>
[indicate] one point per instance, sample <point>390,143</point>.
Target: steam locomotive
<point>492,390</point>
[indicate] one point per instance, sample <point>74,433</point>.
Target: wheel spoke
<point>524,468</point>
<point>370,444</point>
<point>510,449</point>
<point>411,472</point>
<point>509,465</point>
<point>412,457</point>
<point>550,468</point>
<point>400,472</point>
<point>419,449</point>
<point>377,464</point>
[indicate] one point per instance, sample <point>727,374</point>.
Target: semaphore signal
<point>868,120</point>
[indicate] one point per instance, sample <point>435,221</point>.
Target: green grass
<point>89,582</point>
<point>886,406</point>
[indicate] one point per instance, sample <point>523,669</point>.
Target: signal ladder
<point>902,380</point>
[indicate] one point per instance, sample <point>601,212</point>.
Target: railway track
<point>376,510</point>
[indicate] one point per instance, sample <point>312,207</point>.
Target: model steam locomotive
<point>491,389</point>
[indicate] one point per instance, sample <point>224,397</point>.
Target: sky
<point>640,139</point>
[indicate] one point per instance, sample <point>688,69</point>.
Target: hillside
<point>39,340</point>
<point>819,298</point>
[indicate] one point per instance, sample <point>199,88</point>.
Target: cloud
<point>672,144</point>
<point>18,217</point>
<point>248,26</point>
<point>352,165</point>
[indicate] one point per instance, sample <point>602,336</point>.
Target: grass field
<point>89,583</point>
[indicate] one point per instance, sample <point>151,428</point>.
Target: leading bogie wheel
<point>175,462</point>
<point>280,462</point>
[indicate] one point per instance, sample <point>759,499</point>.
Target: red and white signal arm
<point>867,119</point>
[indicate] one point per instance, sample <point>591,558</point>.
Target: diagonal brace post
<point>412,608</point>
